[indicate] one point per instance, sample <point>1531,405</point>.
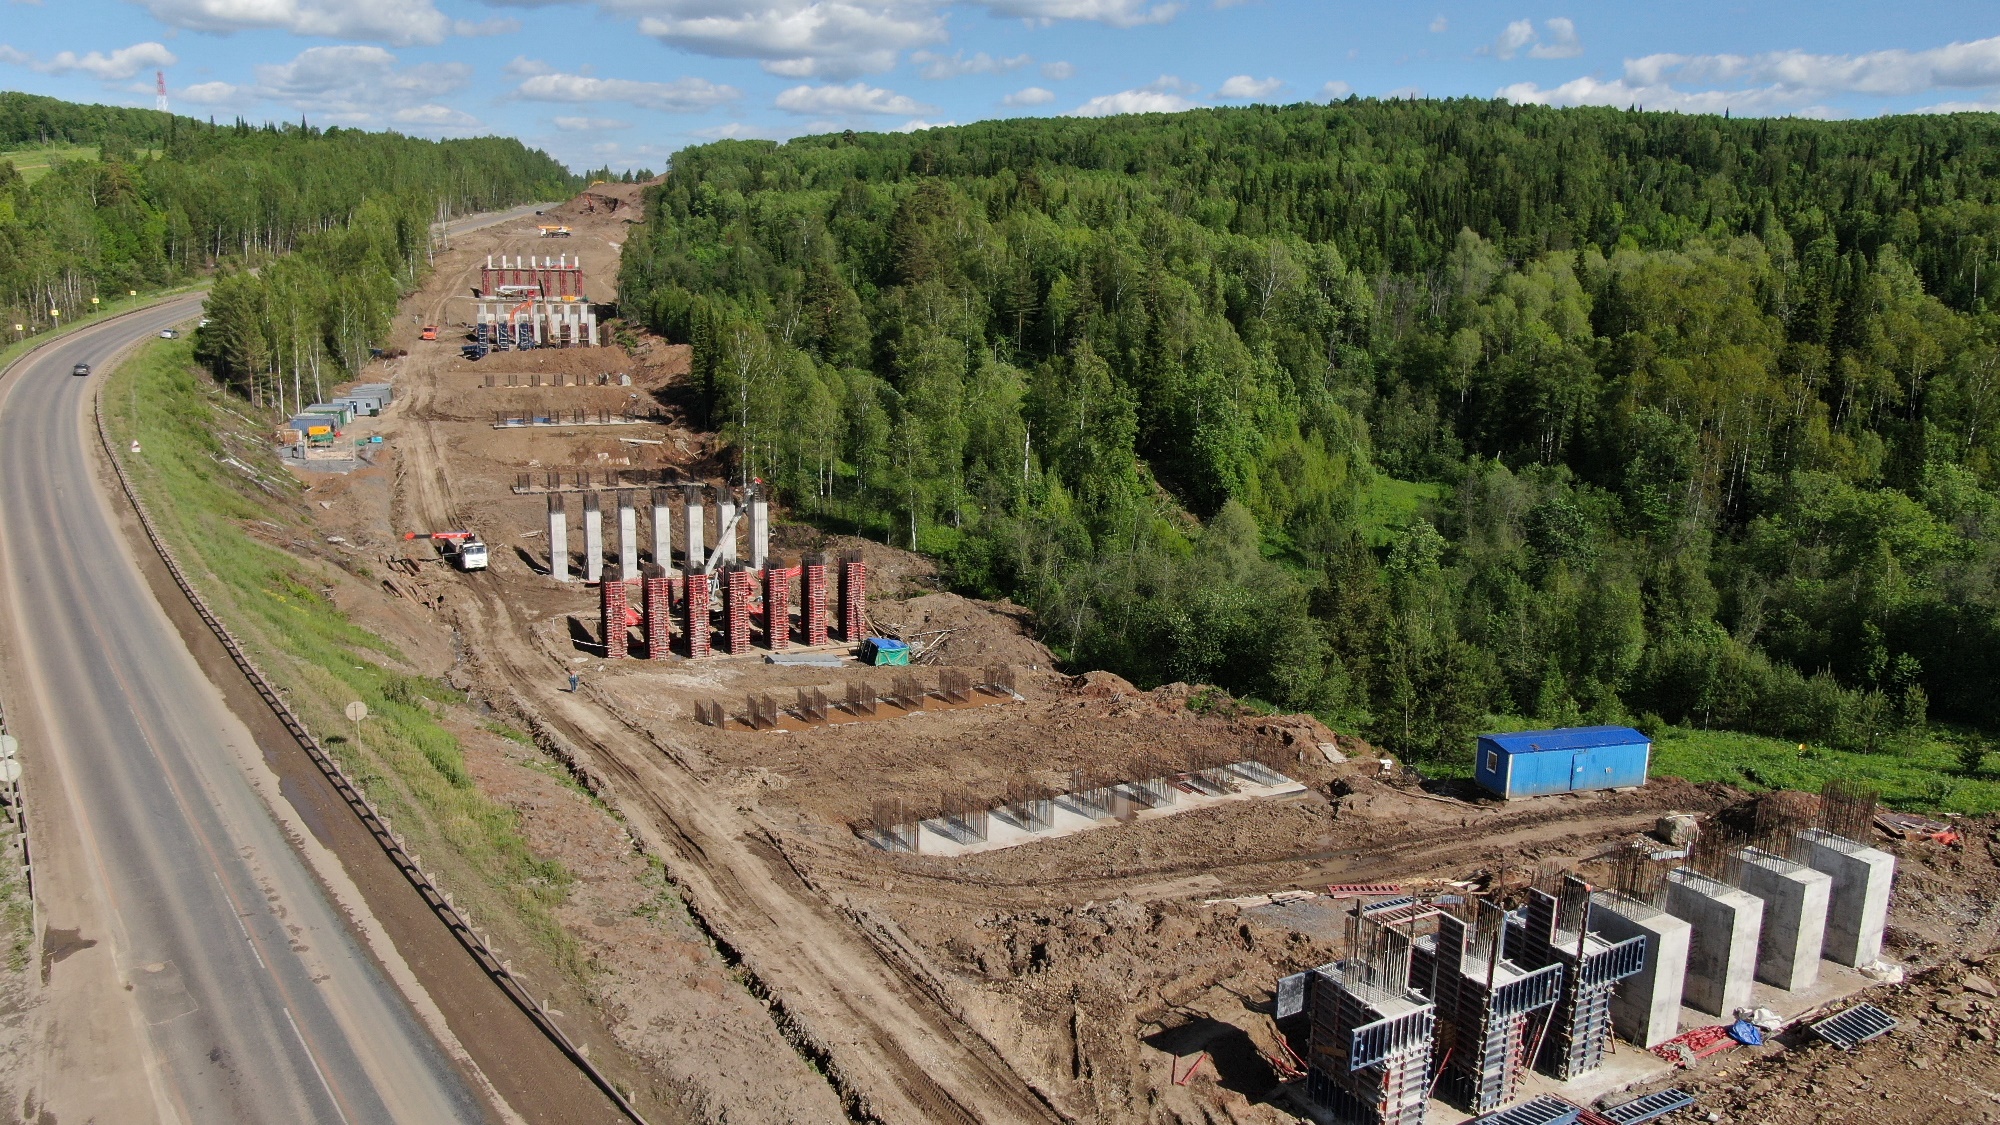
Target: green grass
<point>1388,505</point>
<point>34,163</point>
<point>1923,775</point>
<point>409,764</point>
<point>111,307</point>
<point>1918,775</point>
<point>17,913</point>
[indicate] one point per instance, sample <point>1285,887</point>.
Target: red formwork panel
<point>737,585</point>
<point>612,598</point>
<point>694,614</point>
<point>814,593</point>
<point>659,603</point>
<point>853,599</point>
<point>778,606</point>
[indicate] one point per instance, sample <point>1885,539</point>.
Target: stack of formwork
<point>657,591</point>
<point>1368,1058</point>
<point>1484,1001</point>
<point>814,593</point>
<point>1555,930</point>
<point>694,613</point>
<point>612,607</point>
<point>736,587</point>
<point>778,605</point>
<point>853,597</point>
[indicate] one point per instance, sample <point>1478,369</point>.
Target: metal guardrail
<point>356,802</point>
<point>17,813</point>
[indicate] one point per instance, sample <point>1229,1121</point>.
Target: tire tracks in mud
<point>893,1048</point>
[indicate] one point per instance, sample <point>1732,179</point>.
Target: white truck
<point>464,548</point>
<point>466,554</point>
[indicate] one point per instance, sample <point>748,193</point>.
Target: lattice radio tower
<point>160,82</point>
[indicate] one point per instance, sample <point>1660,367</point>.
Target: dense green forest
<point>1404,411</point>
<point>333,221</point>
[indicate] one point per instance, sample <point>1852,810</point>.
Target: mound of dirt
<point>951,630</point>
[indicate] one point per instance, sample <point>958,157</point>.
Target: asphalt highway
<point>198,971</point>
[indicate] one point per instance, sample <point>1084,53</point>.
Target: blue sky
<point>627,82</point>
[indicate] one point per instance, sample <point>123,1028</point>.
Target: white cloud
<point>1515,36</point>
<point>435,116</point>
<point>524,67</point>
<point>1117,13</point>
<point>1335,90</point>
<point>354,85</point>
<point>211,93</point>
<point>858,98</point>
<point>741,130</point>
<point>1243,86</point>
<point>1407,92</point>
<point>682,95</point>
<point>796,38</point>
<point>590,124</point>
<point>1621,93</point>
<point>834,39</point>
<point>1780,81</point>
<point>1562,42</point>
<point>918,125</point>
<point>1058,71</point>
<point>117,66</point>
<point>398,22</point>
<point>933,65</point>
<point>1033,95</point>
<point>1440,25</point>
<point>1166,94</point>
<point>467,29</point>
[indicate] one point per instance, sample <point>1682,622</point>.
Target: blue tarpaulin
<point>1746,1033</point>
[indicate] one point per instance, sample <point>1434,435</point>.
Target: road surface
<point>197,971</point>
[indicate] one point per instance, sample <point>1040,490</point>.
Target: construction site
<point>920,873</point>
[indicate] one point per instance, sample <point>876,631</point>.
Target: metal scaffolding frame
<point>1484,1003</point>
<point>1555,930</point>
<point>1368,1057</point>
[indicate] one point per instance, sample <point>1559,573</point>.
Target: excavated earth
<point>756,957</point>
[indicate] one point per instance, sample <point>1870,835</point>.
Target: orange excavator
<point>513,319</point>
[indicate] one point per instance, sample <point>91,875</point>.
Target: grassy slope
<point>407,762</point>
<point>1923,776</point>
<point>34,163</point>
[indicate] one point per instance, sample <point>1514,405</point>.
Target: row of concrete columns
<point>1709,942</point>
<point>746,596</point>
<point>731,513</point>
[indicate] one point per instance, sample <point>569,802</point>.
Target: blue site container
<point>1532,763</point>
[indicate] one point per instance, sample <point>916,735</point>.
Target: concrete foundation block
<point>1646,1007</point>
<point>1858,905</point>
<point>1795,902</point>
<point>1722,947</point>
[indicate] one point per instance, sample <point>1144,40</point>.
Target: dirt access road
<point>889,1042</point>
